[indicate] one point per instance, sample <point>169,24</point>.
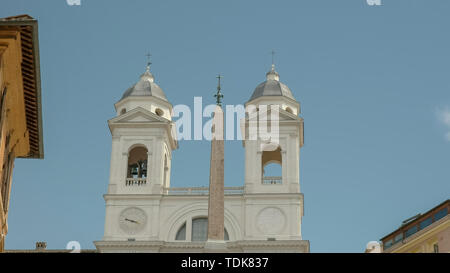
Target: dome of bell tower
<point>146,86</point>
<point>272,87</point>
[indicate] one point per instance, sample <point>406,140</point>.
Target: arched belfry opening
<point>137,163</point>
<point>272,166</point>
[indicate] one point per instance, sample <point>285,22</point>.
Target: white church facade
<point>145,214</point>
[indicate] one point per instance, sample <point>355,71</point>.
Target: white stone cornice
<point>233,246</point>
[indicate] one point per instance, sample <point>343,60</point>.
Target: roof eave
<point>34,24</point>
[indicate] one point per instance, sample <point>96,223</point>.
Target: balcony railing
<point>272,180</point>
<point>201,191</point>
<point>136,182</point>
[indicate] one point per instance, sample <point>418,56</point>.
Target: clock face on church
<point>132,220</point>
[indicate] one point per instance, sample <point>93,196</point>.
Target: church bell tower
<point>143,138</point>
<point>272,164</point>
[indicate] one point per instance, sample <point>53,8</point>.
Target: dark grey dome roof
<point>272,87</point>
<point>145,87</point>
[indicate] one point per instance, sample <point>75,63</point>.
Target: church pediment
<point>138,115</point>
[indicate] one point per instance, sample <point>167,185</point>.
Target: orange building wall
<point>13,120</point>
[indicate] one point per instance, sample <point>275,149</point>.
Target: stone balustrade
<point>136,182</point>
<point>272,180</point>
<point>201,191</point>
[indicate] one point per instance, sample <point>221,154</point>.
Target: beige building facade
<point>424,233</point>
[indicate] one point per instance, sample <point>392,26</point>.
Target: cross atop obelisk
<point>216,208</point>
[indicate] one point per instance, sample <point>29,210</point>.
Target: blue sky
<point>373,83</point>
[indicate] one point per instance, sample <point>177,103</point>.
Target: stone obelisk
<point>216,208</point>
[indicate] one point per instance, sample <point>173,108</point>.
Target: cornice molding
<point>161,245</point>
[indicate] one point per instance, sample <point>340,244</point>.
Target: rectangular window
<point>411,231</point>
<point>2,108</point>
<point>388,244</point>
<point>2,99</point>
<point>1,68</point>
<point>426,223</point>
<point>199,229</point>
<point>398,238</point>
<point>440,214</point>
<point>7,171</point>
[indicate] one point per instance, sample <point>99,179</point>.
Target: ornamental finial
<point>219,95</point>
<point>148,55</point>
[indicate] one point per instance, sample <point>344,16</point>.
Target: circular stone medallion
<point>271,221</point>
